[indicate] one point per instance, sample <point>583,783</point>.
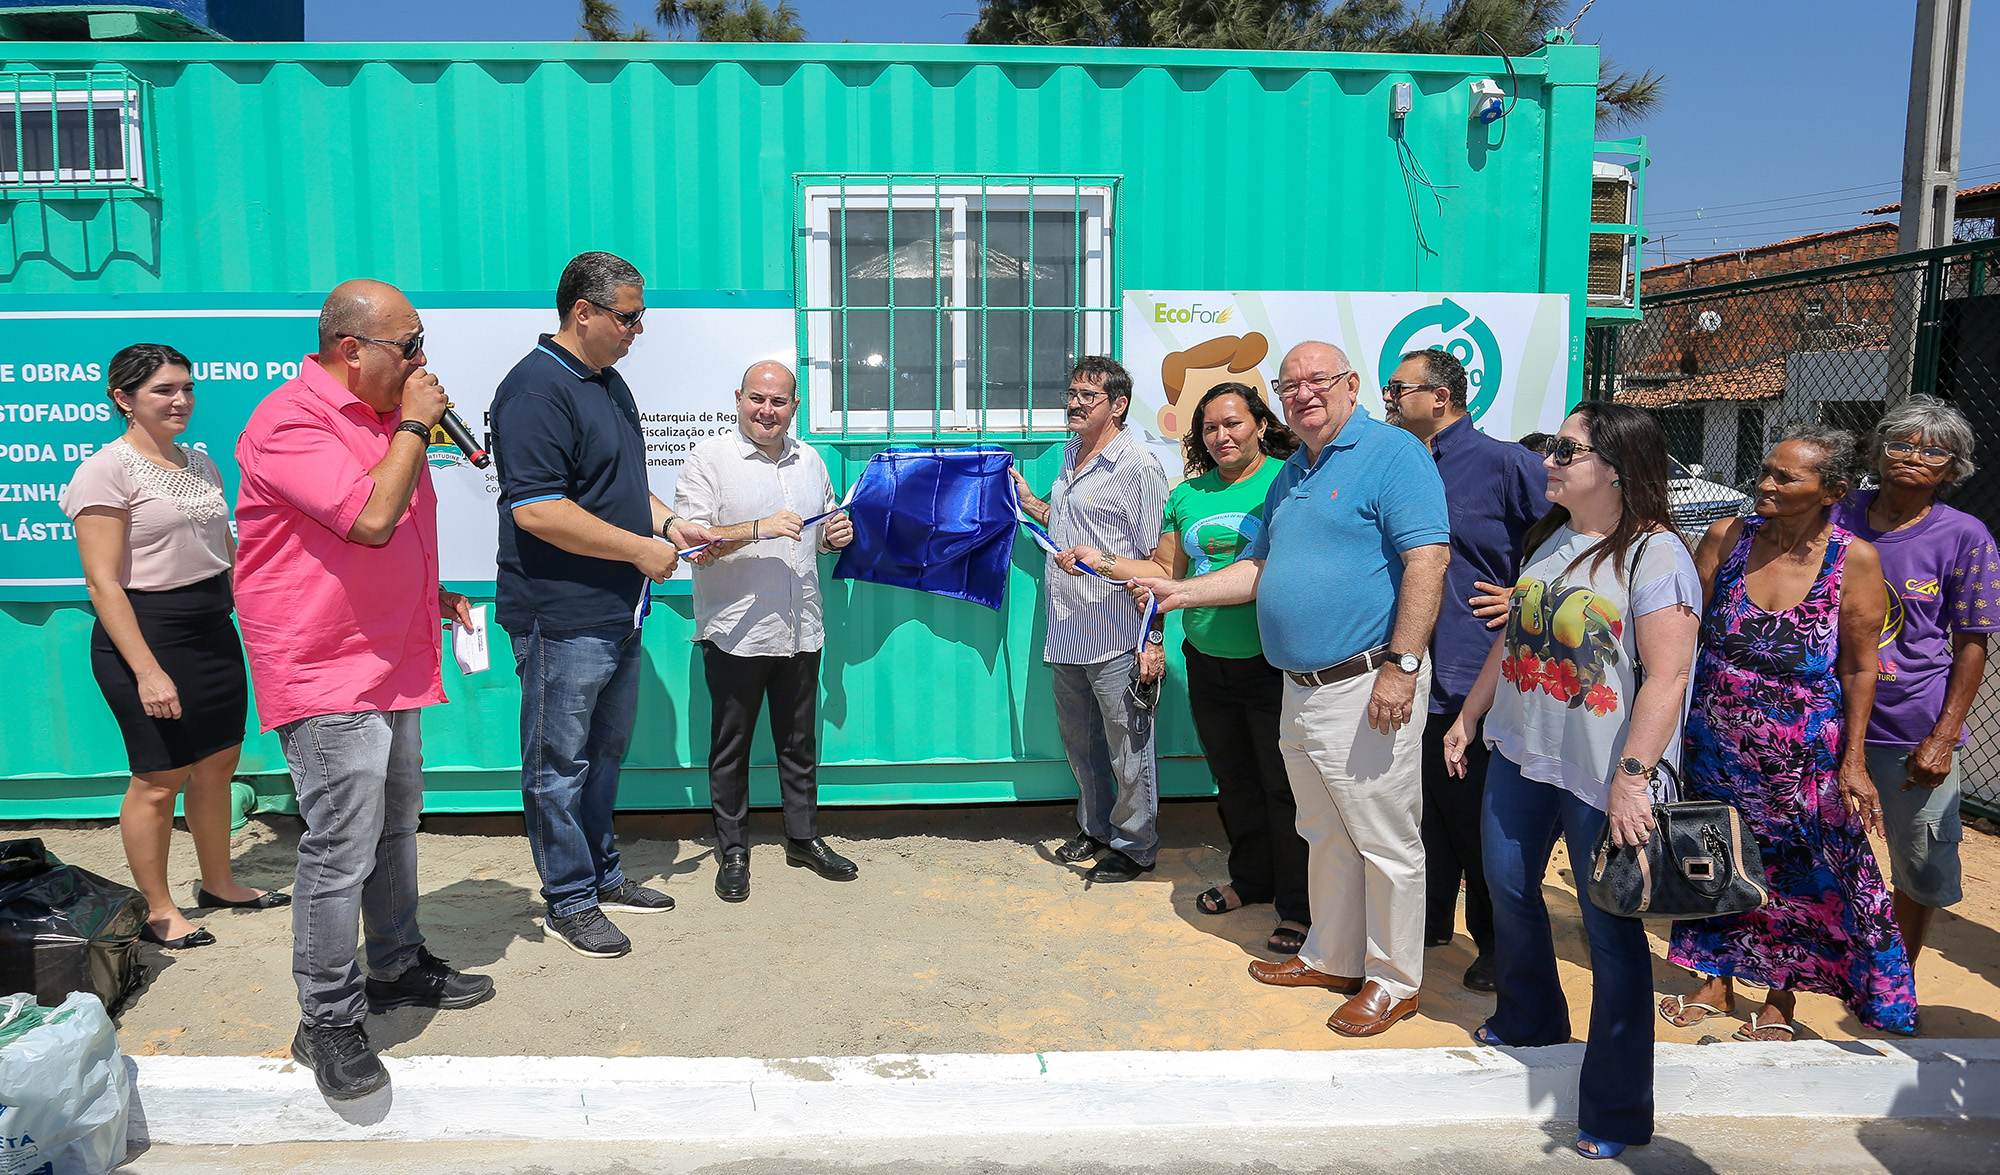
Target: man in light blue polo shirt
<point>1348,575</point>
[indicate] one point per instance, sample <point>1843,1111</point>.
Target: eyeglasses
<point>629,319</point>
<point>1292,389</point>
<point>1396,389</point>
<point>1084,396</point>
<point>1564,450</point>
<point>410,347</point>
<point>1929,454</point>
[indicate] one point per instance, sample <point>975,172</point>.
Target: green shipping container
<point>932,233</point>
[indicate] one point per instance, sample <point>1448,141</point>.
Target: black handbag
<point>1700,862</point>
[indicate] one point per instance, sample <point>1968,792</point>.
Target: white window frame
<point>961,204</point>
<point>35,104</point>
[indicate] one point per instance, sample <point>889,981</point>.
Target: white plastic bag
<point>64,1092</point>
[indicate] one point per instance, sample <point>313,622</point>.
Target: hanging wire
<point>1414,177</point>
<point>1513,83</point>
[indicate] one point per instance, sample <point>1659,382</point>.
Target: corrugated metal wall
<point>485,167</point>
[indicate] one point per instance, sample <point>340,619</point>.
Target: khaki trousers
<point>1361,796</point>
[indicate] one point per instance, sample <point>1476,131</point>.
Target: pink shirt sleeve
<point>304,462</point>
<point>99,481</point>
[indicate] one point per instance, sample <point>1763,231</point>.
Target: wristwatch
<point>1407,662</point>
<point>1155,637</point>
<point>1631,766</point>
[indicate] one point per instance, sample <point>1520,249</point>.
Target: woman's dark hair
<point>1278,441</point>
<point>137,363</point>
<point>1839,465</point>
<point>1630,441</point>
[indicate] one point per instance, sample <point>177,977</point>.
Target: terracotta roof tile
<point>1787,243</point>
<point>1963,194</point>
<point>1762,382</point>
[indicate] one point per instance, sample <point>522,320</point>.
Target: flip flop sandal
<point>1212,901</point>
<point>1285,941</point>
<point>1749,1032</point>
<point>1680,1009</point>
<point>1484,1035</point>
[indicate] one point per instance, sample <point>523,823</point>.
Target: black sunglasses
<point>410,347</point>
<point>1564,450</point>
<point>629,319</point>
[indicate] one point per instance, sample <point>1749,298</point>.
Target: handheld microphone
<point>462,437</point>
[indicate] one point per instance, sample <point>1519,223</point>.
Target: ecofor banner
<point>54,411</point>
<point>1180,343</point>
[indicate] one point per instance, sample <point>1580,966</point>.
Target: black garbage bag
<point>64,929</point>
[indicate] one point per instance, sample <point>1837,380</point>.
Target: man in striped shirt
<point>1109,495</point>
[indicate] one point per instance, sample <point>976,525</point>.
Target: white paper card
<point>468,642</point>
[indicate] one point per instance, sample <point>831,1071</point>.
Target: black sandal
<point>1285,941</point>
<point>1212,901</point>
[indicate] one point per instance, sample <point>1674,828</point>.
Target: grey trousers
<point>360,783</point>
<point>1109,742</point>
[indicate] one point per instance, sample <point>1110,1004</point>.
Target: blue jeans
<point>1520,819</point>
<point>1109,742</point>
<point>360,782</point>
<point>579,696</point>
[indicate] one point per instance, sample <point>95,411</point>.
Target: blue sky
<point>1783,117</point>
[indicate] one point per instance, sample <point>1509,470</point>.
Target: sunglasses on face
<point>410,347</point>
<point>629,319</point>
<point>1928,454</point>
<point>1564,450</point>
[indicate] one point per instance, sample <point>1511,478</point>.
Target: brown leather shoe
<point>1293,973</point>
<point>1370,1011</point>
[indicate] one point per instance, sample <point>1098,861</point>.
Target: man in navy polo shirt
<point>580,536</point>
<point>1347,576</point>
<point>1495,490</point>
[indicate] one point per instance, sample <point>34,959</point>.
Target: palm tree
<point>1380,26</point>
<point>708,20</point>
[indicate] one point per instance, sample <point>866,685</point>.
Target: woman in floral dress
<point>1782,692</point>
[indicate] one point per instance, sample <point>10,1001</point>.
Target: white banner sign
<point>1180,343</point>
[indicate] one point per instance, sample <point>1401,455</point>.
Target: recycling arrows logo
<point>1467,339</point>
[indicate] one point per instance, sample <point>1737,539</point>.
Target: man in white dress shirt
<point>757,616</point>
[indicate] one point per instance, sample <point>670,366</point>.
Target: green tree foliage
<point>1369,26</point>
<point>707,20</point>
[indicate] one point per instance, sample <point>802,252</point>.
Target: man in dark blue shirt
<point>580,537</point>
<point>1495,490</point>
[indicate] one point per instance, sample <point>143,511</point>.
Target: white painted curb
<point>187,1100</point>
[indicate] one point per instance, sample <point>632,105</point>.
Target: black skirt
<point>191,635</point>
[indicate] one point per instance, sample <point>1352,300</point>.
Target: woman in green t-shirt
<point>1233,450</point>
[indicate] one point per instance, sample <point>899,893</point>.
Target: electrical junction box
<point>1487,100</point>
<point>1399,99</point>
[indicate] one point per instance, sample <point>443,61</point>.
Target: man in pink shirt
<point>338,597</point>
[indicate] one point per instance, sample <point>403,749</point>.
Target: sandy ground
<point>962,934</point>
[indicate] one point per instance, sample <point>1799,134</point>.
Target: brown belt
<point>1347,670</point>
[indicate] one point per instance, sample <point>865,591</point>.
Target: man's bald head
<point>771,374</point>
<point>1313,355</point>
<point>361,308</point>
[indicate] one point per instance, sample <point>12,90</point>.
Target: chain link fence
<point>1728,368</point>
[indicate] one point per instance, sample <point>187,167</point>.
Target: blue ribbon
<point>1048,544</point>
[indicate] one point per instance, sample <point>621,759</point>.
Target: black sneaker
<point>343,1063</point>
<point>629,897</point>
<point>1080,848</point>
<point>588,933</point>
<point>429,983</point>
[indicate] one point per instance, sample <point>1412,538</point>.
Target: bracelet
<point>671,519</point>
<point>753,528</point>
<point>416,428</point>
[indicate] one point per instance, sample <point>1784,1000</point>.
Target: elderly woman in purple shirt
<point>1943,572</point>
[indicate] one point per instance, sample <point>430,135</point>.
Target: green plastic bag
<point>65,1096</point>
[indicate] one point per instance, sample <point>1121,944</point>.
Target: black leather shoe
<point>343,1062</point>
<point>814,855</point>
<point>1079,848</point>
<point>429,983</point>
<point>1479,976</point>
<point>732,882</point>
<point>1116,867</point>
<point>269,900</point>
